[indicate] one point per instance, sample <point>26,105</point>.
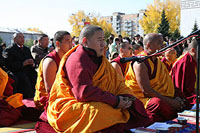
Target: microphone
<point>133,58</point>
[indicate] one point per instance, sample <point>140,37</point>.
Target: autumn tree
<point>78,22</point>
<point>35,30</point>
<point>124,34</point>
<point>164,25</point>
<point>152,18</point>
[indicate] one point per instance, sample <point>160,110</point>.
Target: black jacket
<point>14,58</point>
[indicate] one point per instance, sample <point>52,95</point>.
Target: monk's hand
<point>124,102</point>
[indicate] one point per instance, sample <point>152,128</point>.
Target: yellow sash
<point>66,114</point>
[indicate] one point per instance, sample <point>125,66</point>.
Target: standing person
<point>40,50</point>
<point>114,47</point>
<point>19,61</point>
<point>120,38</point>
<point>88,95</point>
<point>151,83</point>
<point>125,50</point>
<point>49,66</point>
<point>184,72</point>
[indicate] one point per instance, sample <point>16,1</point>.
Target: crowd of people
<point>81,85</point>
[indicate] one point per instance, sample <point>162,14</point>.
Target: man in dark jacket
<point>19,61</point>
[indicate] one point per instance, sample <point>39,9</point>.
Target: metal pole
<point>173,44</point>
<point>197,94</point>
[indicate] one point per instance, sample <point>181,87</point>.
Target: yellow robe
<point>40,88</point>
<point>66,114</point>
<point>162,82</point>
<point>14,100</point>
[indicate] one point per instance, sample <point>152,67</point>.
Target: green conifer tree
<point>164,25</point>
<point>195,28</point>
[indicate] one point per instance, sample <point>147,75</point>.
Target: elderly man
<point>40,50</point>
<point>150,82</point>
<point>184,74</point>
<point>49,67</point>
<point>19,61</point>
<point>88,95</point>
<point>125,50</point>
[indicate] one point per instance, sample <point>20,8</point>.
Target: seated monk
<point>125,50</point>
<point>137,49</point>
<point>49,66</point>
<point>169,58</point>
<point>88,95</point>
<point>8,115</point>
<point>184,74</point>
<point>150,82</point>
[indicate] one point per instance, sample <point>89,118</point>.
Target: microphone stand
<point>197,94</point>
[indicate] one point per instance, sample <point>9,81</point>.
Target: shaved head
<point>151,38</point>
<point>193,44</point>
<point>153,42</point>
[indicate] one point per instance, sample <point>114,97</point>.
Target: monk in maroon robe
<point>184,75</point>
<point>125,51</point>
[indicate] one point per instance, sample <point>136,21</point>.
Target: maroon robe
<point>184,78</point>
<point>80,76</point>
<point>80,68</point>
<point>55,57</point>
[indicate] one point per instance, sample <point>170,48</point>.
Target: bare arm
<point>49,73</point>
<point>117,68</point>
<point>142,78</point>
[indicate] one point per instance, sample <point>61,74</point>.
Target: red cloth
<point>8,114</point>
<point>122,65</point>
<point>9,89</point>
<point>159,110</point>
<point>184,78</point>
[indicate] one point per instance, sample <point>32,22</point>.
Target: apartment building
<point>126,22</point>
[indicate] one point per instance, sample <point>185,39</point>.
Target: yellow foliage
<point>76,20</point>
<point>152,18</point>
<point>35,30</point>
<point>124,34</point>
